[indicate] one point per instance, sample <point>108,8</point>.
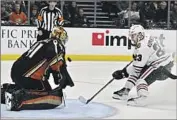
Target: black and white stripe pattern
<point>132,79</point>
<point>137,69</point>
<point>48,19</point>
<point>142,86</point>
<point>147,72</point>
<point>160,60</point>
<point>151,68</point>
<point>59,14</point>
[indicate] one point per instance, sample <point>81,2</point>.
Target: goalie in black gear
<point>32,89</point>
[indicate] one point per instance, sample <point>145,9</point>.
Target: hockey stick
<point>56,51</point>
<point>83,100</point>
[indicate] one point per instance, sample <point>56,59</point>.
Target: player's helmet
<point>60,34</point>
<point>136,33</point>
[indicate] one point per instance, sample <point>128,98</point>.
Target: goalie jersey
<point>42,55</point>
<point>149,52</point>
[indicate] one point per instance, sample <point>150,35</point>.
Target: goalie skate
<point>8,101</point>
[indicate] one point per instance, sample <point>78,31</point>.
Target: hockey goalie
<point>151,62</point>
<point>31,88</point>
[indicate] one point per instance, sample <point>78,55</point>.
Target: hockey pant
<point>29,83</point>
<point>21,99</point>
<point>150,75</point>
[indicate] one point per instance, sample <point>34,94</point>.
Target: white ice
<point>73,109</point>
<point>89,77</point>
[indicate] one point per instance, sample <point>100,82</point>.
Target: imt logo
<point>106,39</point>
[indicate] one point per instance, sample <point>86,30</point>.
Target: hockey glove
<point>120,74</point>
<point>57,77</point>
<point>67,80</point>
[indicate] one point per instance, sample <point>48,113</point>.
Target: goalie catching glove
<point>62,77</point>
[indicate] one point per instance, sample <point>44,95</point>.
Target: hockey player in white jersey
<point>151,62</point>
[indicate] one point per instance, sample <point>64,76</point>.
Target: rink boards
<point>84,44</point>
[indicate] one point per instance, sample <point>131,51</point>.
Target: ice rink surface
<point>89,77</point>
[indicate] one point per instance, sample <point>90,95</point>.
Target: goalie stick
<point>56,51</point>
<point>83,100</point>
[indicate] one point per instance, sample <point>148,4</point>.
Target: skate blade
<point>120,97</point>
<point>135,104</point>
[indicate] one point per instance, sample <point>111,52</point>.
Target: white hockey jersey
<point>151,52</point>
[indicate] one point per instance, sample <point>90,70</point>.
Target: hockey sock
<point>142,88</point>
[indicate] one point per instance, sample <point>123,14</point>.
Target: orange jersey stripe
<point>57,66</point>
<point>41,99</point>
<point>38,74</point>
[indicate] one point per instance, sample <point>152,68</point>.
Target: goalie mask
<point>60,34</point>
<point>136,34</point>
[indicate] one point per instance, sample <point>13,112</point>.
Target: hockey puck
<point>69,59</point>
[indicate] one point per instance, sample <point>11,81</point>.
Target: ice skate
<point>138,101</point>
<point>121,94</point>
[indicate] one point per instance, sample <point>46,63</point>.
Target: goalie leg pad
<point>8,101</point>
<point>7,87</point>
<point>35,100</point>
